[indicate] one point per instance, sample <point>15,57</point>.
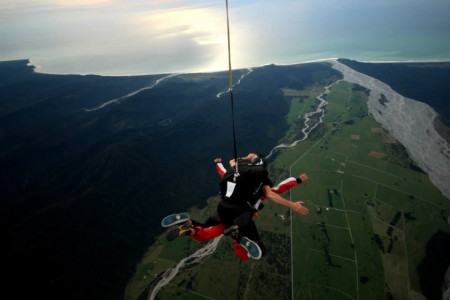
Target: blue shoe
<point>174,219</point>
<point>252,248</point>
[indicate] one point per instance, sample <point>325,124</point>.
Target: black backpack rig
<point>242,184</point>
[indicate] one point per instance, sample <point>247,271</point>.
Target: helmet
<point>258,160</point>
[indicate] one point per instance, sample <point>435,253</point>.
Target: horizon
<point>123,38</point>
<point>36,68</point>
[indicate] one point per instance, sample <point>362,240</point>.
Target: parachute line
<point>230,89</point>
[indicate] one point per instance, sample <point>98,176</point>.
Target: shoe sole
<point>174,219</point>
<point>252,248</point>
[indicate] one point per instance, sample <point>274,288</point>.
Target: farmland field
<point>371,215</point>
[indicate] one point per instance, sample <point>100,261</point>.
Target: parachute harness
<point>230,89</point>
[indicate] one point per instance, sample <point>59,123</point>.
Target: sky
<point>132,37</point>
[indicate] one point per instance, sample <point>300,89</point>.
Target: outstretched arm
<point>289,183</point>
<point>297,207</point>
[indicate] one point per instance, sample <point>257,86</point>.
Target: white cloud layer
<point>135,37</point>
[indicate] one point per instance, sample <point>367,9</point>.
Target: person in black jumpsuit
<point>241,190</point>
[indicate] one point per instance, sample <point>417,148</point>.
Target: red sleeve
<point>220,169</point>
<point>285,185</point>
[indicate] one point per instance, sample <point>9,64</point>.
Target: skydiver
<point>234,214</point>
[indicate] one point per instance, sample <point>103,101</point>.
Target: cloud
<point>83,2</point>
<point>194,33</point>
<point>22,4</point>
<point>190,35</point>
<point>138,38</point>
<point>181,21</point>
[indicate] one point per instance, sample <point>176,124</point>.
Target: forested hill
<point>82,192</point>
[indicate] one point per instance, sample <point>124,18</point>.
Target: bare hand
<point>303,177</point>
<point>298,208</point>
<point>218,160</point>
<point>232,163</point>
<point>249,156</point>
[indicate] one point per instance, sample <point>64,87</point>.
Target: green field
<point>371,216</point>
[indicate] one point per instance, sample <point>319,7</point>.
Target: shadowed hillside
<point>82,193</point>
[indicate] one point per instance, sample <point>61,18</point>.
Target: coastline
<point>37,67</point>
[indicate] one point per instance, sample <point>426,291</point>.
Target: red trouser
<point>208,233</point>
